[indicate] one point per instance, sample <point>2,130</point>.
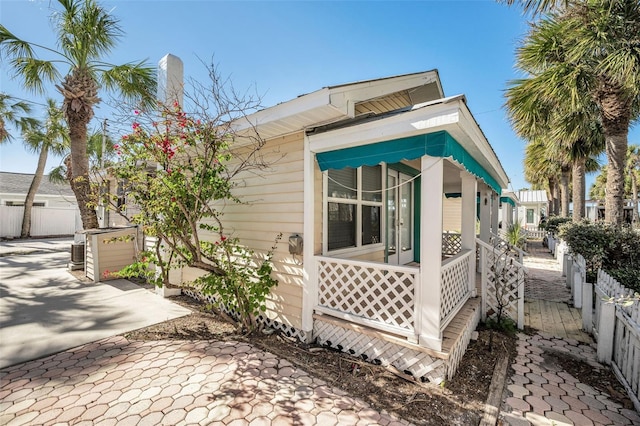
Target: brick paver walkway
<point>540,392</point>
<point>117,382</point>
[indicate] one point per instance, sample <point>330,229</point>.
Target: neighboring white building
<point>533,205</point>
<point>55,210</point>
<point>14,188</point>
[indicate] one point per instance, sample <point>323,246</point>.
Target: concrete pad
<point>44,309</point>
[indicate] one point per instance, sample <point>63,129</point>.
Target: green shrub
<point>603,246</point>
<point>553,223</point>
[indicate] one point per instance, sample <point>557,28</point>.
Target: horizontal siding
<point>452,214</point>
<point>272,203</point>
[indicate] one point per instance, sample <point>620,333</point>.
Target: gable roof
<point>18,183</point>
<point>339,102</point>
<point>535,196</point>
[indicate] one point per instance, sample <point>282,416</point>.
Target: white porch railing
<point>451,243</point>
<point>377,295</point>
<point>502,284</point>
<point>502,244</point>
<point>454,286</point>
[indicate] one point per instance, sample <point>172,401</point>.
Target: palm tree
<point>588,50</point>
<point>14,111</point>
<point>542,171</point>
<point>51,137</point>
<point>85,33</point>
<point>62,172</point>
<point>633,171</point>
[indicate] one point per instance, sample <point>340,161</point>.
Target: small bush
<point>553,223</point>
<point>603,246</point>
<point>516,236</point>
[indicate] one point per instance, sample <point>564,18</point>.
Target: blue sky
<point>286,49</point>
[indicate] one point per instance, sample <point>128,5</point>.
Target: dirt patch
<point>459,401</point>
<point>599,378</point>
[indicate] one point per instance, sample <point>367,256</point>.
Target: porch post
<point>428,295</point>
<point>309,270</point>
<point>507,215</point>
<point>468,231</point>
<point>485,215</point>
<point>495,209</point>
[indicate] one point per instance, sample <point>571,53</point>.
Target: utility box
<point>109,250</point>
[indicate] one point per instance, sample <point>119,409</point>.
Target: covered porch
<point>399,288</point>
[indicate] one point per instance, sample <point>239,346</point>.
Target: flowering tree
<point>178,170</point>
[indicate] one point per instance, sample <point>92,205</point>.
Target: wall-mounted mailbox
<point>295,244</point>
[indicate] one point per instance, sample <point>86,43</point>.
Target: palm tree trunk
<point>564,184</point>
<point>635,217</point>
<point>616,116</point>
<point>553,198</point>
<point>78,109</point>
<point>31,194</point>
<point>614,196</point>
<point>579,189</point>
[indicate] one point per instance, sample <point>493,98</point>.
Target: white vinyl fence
<point>45,221</point>
<point>614,326</point>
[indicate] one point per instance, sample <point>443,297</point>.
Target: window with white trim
<point>354,207</point>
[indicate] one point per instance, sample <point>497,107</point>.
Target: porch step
<point>389,349</point>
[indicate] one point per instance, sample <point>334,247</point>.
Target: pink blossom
<point>136,112</point>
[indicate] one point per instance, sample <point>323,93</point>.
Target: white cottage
<point>359,180</point>
<point>533,207</point>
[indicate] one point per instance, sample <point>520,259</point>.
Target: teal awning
<point>507,200</point>
<point>438,144</point>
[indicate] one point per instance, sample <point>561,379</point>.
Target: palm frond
<point>135,81</point>
<point>86,31</point>
<point>13,47</point>
<point>35,73</point>
<point>537,6</point>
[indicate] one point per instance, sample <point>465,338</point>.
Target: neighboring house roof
<point>533,197</point>
<point>18,183</point>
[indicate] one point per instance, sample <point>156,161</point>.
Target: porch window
<point>354,207</point>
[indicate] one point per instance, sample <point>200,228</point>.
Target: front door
<point>399,218</point>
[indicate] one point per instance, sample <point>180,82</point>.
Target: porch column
<point>428,293</point>
<point>309,270</point>
<point>507,215</point>
<point>468,225</point>
<point>495,209</point>
<point>485,215</point>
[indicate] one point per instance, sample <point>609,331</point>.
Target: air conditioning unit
<point>77,256</point>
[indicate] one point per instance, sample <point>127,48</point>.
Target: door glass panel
<point>391,215</point>
<point>405,215</point>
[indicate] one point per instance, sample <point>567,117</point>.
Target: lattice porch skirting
<point>285,329</point>
<point>386,349</point>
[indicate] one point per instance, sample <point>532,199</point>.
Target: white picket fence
<point>615,327</point>
<point>45,221</point>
